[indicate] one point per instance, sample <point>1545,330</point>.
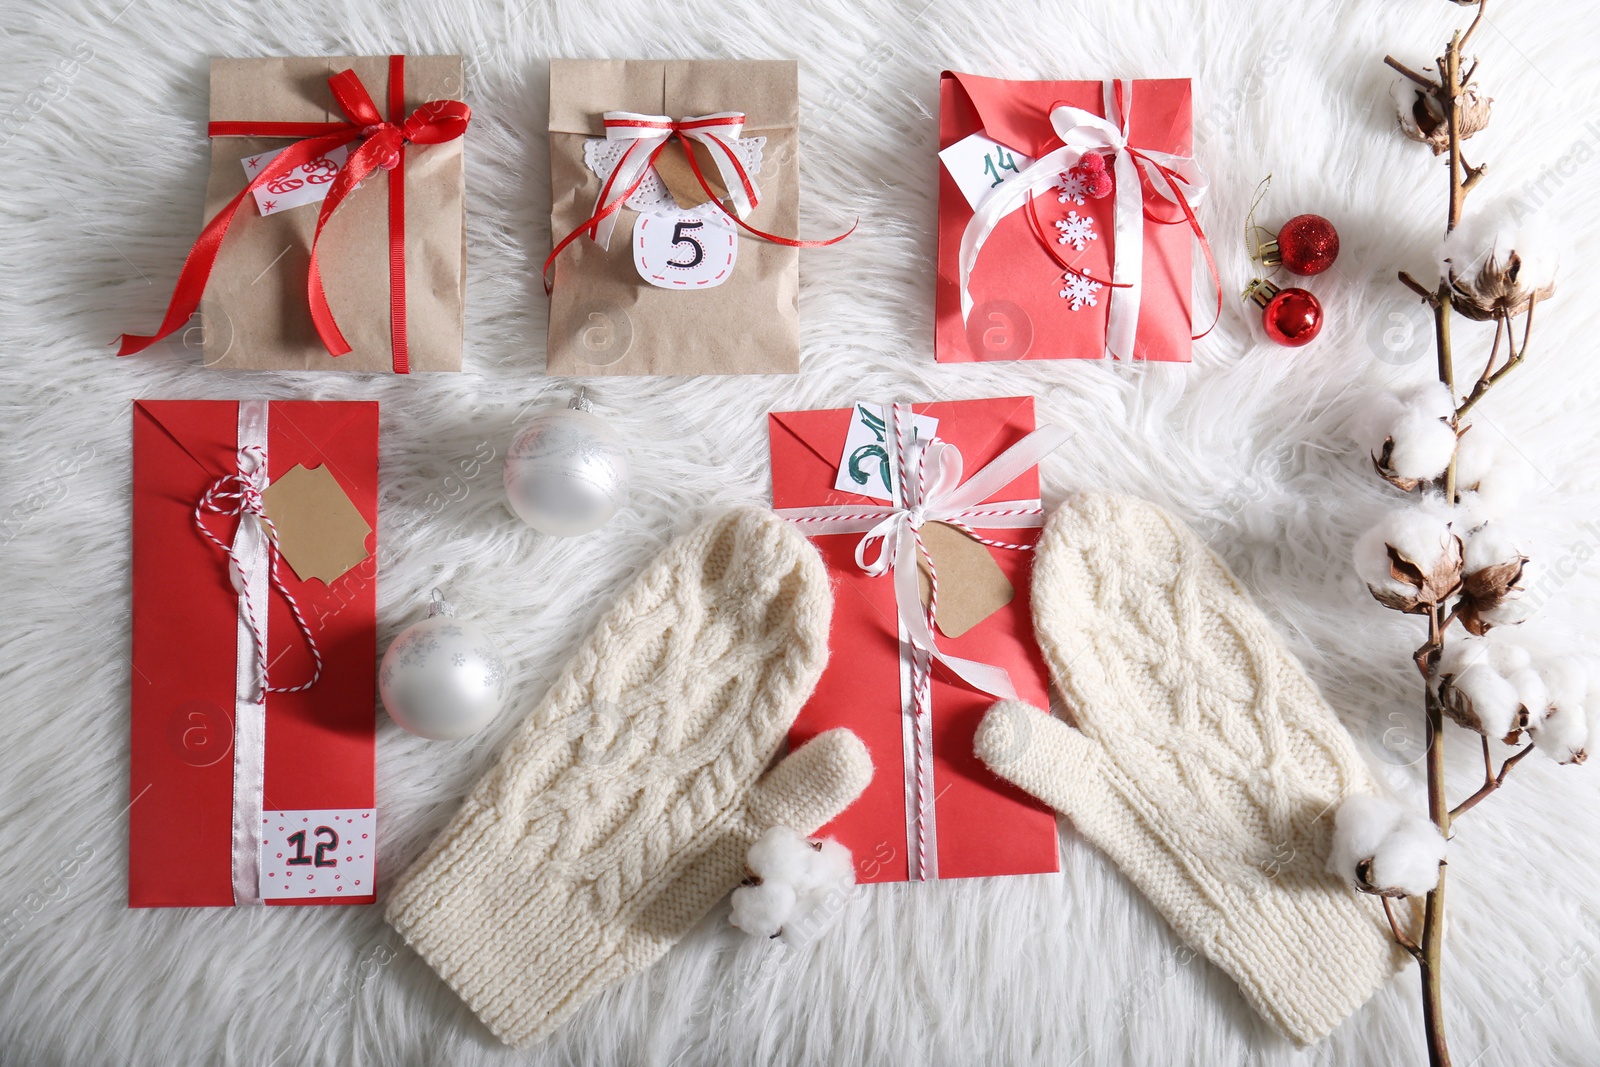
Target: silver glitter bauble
<point>442,678</point>
<point>566,472</point>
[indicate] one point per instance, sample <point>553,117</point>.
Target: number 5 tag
<point>688,250</point>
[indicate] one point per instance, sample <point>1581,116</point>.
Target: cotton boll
<point>1564,734</point>
<point>1480,699</point>
<point>1421,446</point>
<point>762,910</point>
<point>1408,859</point>
<point>780,855</point>
<point>1369,425</point>
<point>1416,534</point>
<point>1496,264</point>
<point>827,888</point>
<point>1491,544</point>
<point>1359,827</point>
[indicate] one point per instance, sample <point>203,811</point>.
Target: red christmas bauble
<point>1307,244</point>
<point>1293,317</point>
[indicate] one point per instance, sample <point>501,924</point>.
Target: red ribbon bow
<point>383,147</point>
<point>656,132</point>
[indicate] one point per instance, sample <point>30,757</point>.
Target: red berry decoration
<point>1307,244</point>
<point>1291,317</point>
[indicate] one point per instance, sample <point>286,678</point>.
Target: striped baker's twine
<point>240,494</point>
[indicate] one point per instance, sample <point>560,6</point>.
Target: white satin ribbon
<point>250,560</point>
<point>253,571</point>
<point>1082,132</point>
<point>648,133</point>
<point>929,489</point>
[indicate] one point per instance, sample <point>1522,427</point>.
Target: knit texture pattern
<point>622,808</point>
<point>1204,762</point>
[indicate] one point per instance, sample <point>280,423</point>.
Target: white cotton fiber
<point>1476,454</point>
<point>1409,858</point>
<point>1493,233</point>
<point>761,910</point>
<point>803,887</point>
<point>1423,445</point>
<point>1492,544</point>
<point>1532,693</point>
<point>1491,697</point>
<point>1359,827</point>
<point>1419,534</point>
<point>1564,734</point>
<point>1431,399</point>
<point>780,855</point>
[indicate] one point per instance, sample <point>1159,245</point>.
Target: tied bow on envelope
<point>888,541</point>
<point>1177,179</point>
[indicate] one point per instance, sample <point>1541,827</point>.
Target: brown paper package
<point>254,309</point>
<point>604,318</point>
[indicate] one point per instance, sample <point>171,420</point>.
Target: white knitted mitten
<point>622,809</point>
<point>1204,763</point>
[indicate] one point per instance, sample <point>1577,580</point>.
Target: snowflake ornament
<point>1073,186</point>
<point>1079,290</point>
<point>1076,231</point>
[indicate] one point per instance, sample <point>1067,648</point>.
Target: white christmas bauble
<point>566,472</point>
<point>442,678</point>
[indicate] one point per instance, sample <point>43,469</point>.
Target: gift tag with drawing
<point>306,184</point>
<point>864,467</point>
<point>685,250</point>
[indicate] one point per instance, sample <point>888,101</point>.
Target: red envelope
<point>983,826</point>
<point>1018,312</point>
<point>319,744</point>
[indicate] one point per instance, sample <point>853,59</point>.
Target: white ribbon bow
<point>1082,132</point>
<point>929,489</point>
<point>649,133</point>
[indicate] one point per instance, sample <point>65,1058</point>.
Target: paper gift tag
<point>971,585</point>
<point>672,167</point>
<point>324,853</point>
<point>319,531</point>
<point>685,250</point>
<point>306,184</point>
<point>864,466</point>
<point>980,165</point>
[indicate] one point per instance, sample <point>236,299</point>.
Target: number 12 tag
<point>318,855</point>
<point>685,250</point>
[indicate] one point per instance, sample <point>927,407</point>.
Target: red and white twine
<point>240,495</point>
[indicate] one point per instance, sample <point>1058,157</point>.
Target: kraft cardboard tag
<point>971,584</point>
<point>672,167</point>
<point>320,532</point>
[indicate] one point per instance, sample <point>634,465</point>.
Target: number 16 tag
<point>685,250</point>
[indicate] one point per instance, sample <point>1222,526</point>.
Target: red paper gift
<point>249,786</point>
<point>1052,271</point>
<point>932,809</point>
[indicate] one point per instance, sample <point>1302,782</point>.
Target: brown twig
<point>1421,79</point>
<point>1514,357</point>
<point>1417,287</point>
<point>1491,781</point>
<point>1400,936</point>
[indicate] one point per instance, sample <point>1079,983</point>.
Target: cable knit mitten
<point>622,808</point>
<point>1204,762</point>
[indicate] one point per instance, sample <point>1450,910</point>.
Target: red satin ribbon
<point>611,207</point>
<point>383,146</point>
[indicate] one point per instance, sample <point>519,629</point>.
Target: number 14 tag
<point>981,165</point>
<point>685,250</point>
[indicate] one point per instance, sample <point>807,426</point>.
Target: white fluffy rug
<point>102,166</point>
